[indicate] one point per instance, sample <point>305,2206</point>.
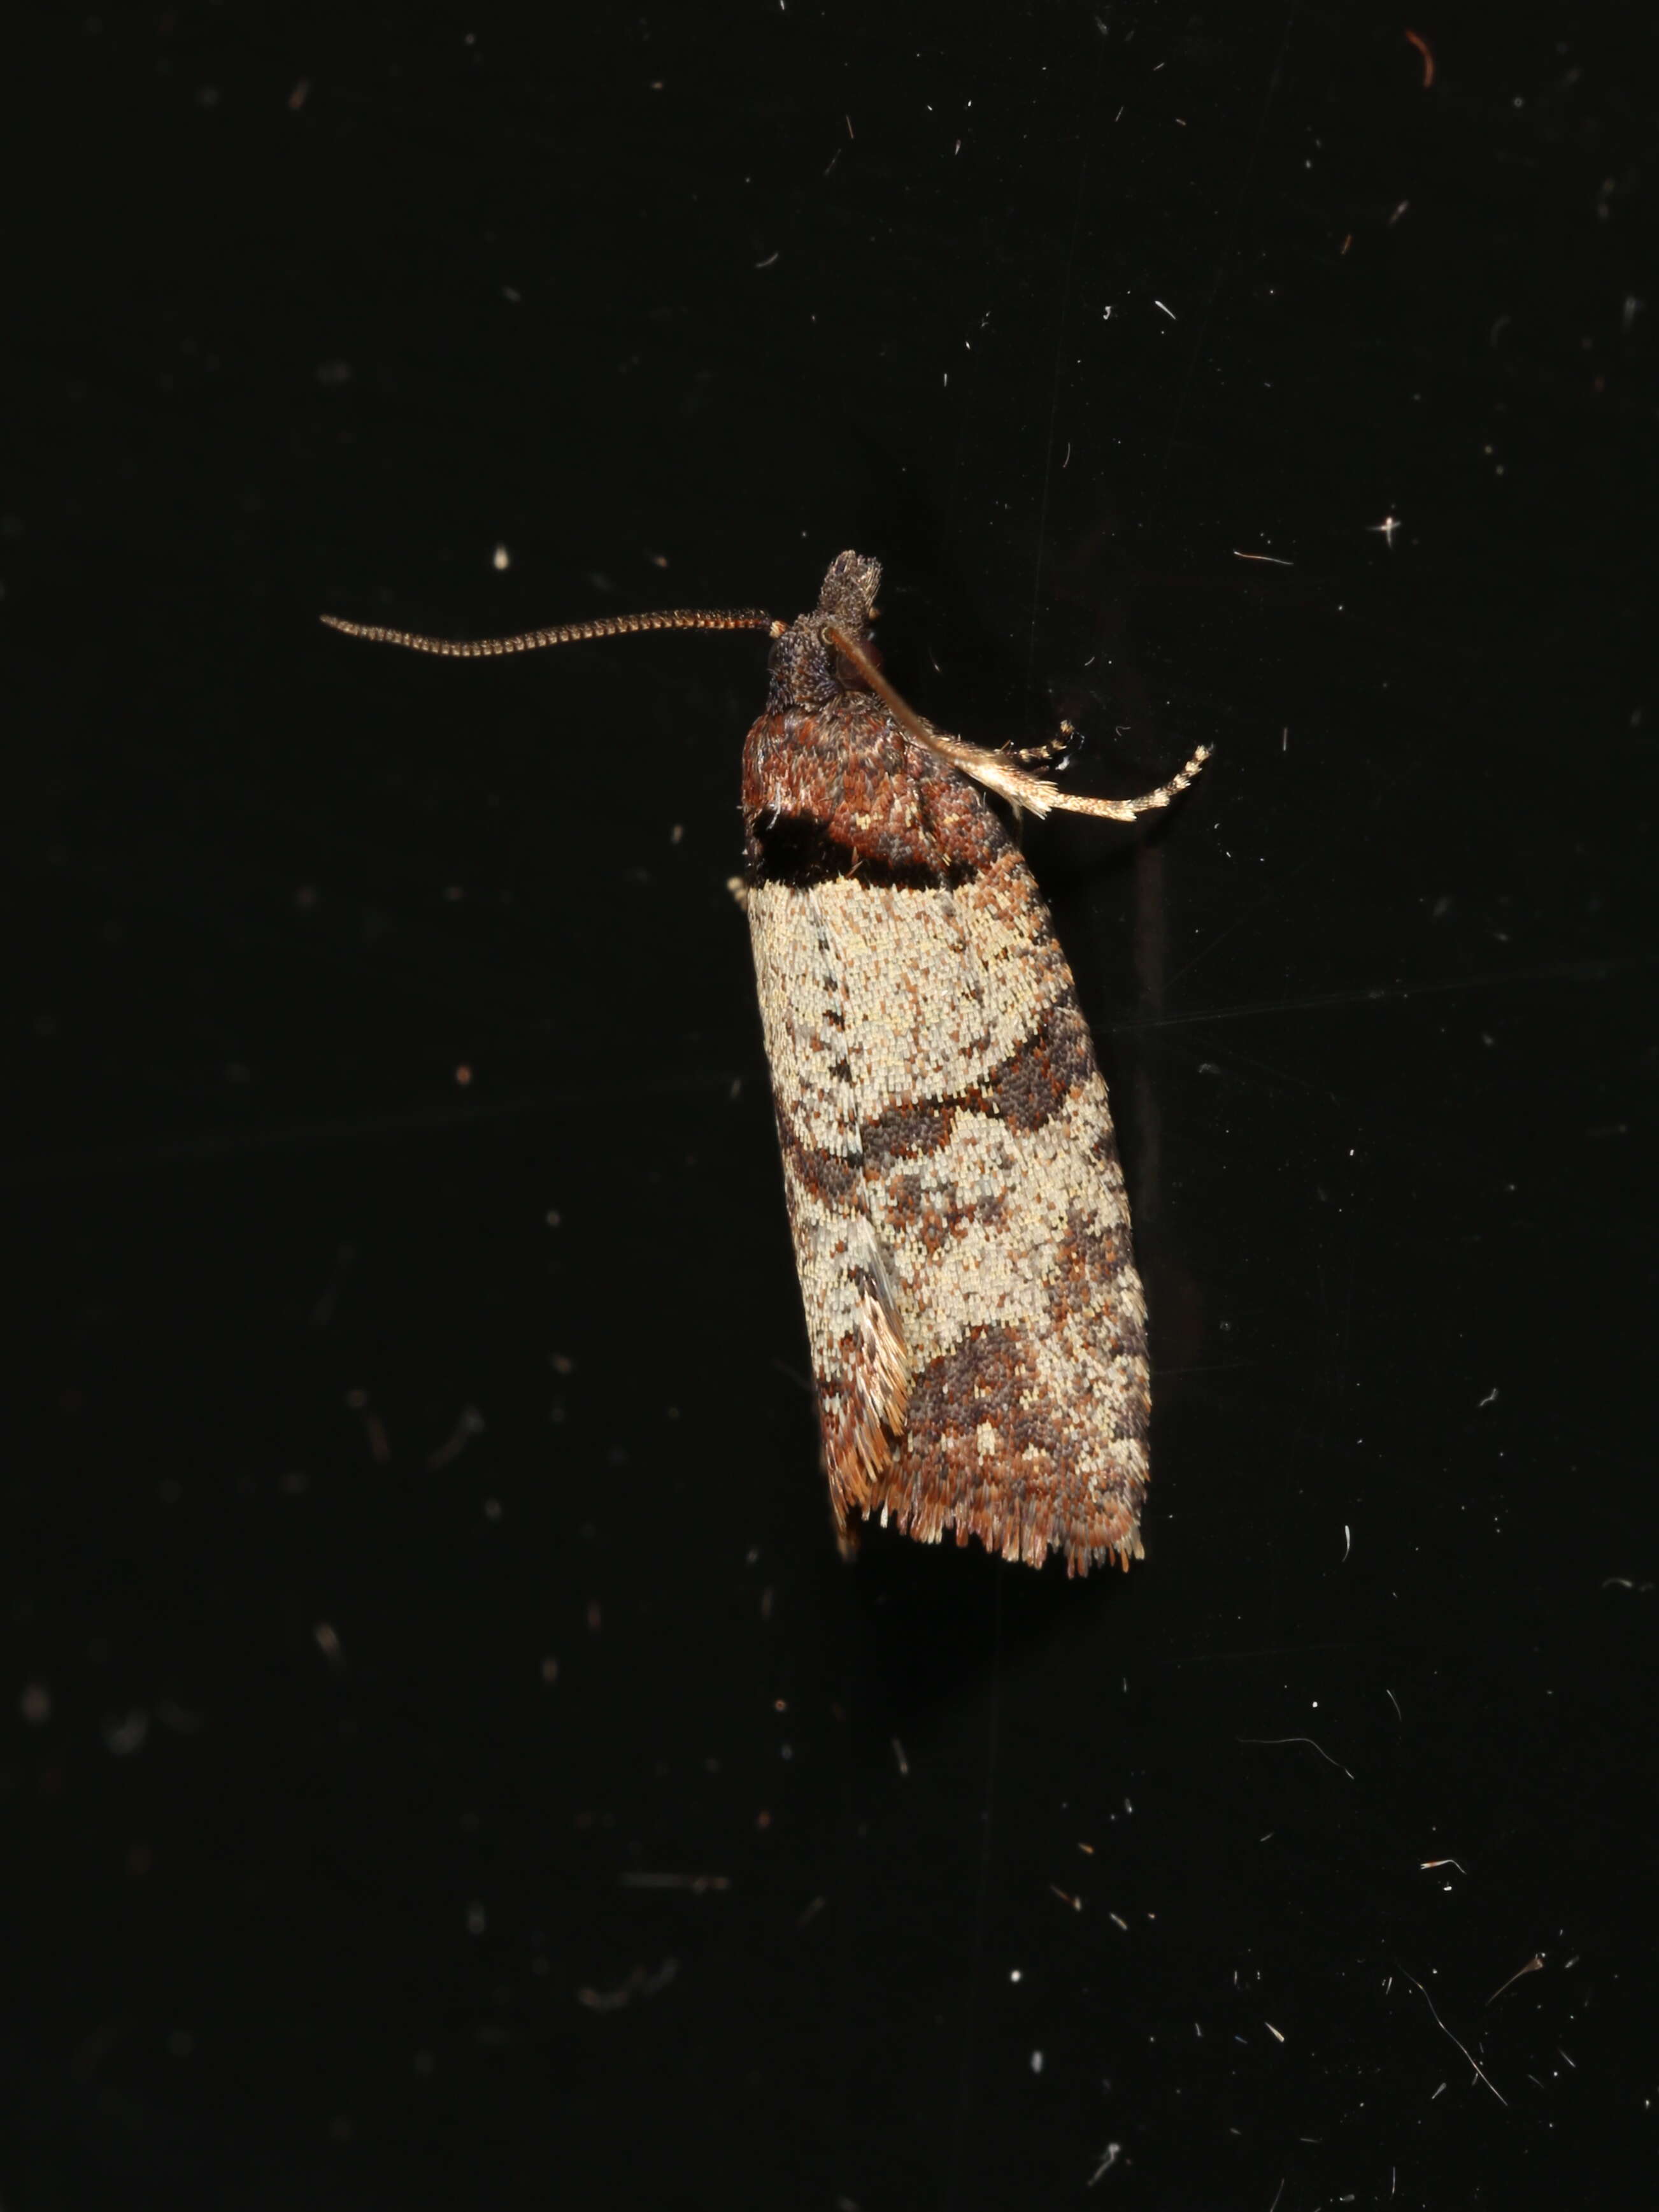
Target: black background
<point>417,1564</point>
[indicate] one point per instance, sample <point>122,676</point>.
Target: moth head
<point>807,668</point>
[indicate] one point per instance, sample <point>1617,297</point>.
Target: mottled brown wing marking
<point>993,1183</point>
<point>1028,1088</point>
<point>860,1362</point>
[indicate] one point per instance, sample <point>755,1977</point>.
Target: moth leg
<point>998,771</point>
<point>1059,745</point>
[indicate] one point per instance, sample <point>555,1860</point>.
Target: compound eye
<point>848,673</point>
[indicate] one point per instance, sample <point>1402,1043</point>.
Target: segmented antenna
<point>531,641</point>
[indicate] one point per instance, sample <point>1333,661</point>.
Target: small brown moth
<point>961,1227</point>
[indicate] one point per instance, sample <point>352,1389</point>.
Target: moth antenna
<point>531,641</point>
<point>997,771</point>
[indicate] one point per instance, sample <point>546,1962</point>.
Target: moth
<point>960,1223</point>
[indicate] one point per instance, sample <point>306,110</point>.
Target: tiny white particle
<point>1108,2158</point>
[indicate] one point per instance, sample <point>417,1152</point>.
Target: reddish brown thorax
<point>831,783</point>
